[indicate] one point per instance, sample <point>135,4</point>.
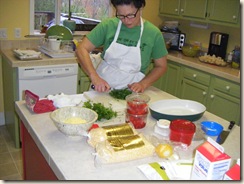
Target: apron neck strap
<point>119,27</point>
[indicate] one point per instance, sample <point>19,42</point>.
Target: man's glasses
<point>130,16</point>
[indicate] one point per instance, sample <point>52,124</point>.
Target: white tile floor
<point>11,167</point>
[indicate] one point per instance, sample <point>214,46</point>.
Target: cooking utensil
<point>177,109</point>
<point>224,134</point>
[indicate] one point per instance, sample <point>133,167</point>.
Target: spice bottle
<point>162,127</point>
<point>229,57</point>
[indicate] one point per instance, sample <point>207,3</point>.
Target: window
<point>84,12</point>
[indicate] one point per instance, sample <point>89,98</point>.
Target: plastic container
<point>138,121</point>
<point>236,57</point>
<point>137,103</point>
<point>162,127</point>
<point>182,131</point>
<point>211,129</point>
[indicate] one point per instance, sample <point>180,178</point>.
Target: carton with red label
<point>234,173</point>
<point>210,163</point>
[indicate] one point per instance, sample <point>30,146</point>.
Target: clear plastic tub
<point>182,131</point>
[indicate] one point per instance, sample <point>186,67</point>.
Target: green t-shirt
<point>152,41</point>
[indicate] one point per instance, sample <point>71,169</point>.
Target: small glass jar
<point>138,121</point>
<point>137,103</point>
<point>162,127</point>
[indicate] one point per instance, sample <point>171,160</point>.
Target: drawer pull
<point>212,96</point>
<point>182,10</point>
<point>227,88</point>
<point>176,10</point>
<point>204,93</point>
<point>194,75</point>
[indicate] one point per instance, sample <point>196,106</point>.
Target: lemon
<point>164,150</point>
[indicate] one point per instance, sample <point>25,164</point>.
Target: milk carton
<point>234,173</point>
<point>210,163</point>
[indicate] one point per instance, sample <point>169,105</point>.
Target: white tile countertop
<point>72,159</point>
<point>226,72</point>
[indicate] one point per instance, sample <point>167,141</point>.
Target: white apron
<point>121,64</point>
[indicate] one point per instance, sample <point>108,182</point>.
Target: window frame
<point>57,13</point>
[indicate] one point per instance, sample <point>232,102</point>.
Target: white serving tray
<point>56,54</point>
<point>25,54</point>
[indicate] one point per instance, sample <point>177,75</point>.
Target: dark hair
<point>136,3</point>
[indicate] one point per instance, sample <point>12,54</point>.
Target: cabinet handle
<point>182,10</point>
<point>204,93</point>
<point>211,96</point>
<point>194,75</point>
<point>176,10</point>
<point>227,88</point>
<point>234,17</point>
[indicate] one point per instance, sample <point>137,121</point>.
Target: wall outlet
<point>17,32</point>
<point>3,33</point>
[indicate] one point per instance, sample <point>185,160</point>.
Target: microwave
<point>177,39</point>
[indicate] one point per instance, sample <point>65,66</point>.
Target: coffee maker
<point>218,44</point>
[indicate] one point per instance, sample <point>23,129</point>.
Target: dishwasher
<point>48,80</point>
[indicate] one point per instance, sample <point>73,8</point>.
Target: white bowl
<point>177,109</point>
<point>74,121</point>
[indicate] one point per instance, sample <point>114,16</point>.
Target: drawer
<point>227,87</point>
<point>196,75</point>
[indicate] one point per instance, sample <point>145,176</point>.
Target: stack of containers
<point>137,109</point>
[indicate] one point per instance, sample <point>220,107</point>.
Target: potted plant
<point>71,24</point>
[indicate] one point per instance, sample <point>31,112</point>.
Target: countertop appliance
<point>218,44</point>
<point>174,36</point>
<point>48,79</point>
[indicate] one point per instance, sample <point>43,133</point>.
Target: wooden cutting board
<point>106,100</point>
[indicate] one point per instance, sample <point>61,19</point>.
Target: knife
<point>224,134</point>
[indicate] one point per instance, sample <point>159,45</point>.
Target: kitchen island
<point>66,158</point>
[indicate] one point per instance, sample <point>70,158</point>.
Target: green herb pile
<point>102,111</point>
<point>120,93</point>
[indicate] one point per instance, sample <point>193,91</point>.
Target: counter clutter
<point>225,72</point>
<point>73,158</point>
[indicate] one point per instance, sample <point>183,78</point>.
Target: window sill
<point>75,34</point>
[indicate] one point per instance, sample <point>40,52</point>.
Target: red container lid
<point>182,126</point>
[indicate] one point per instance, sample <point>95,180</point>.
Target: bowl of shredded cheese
<point>74,121</point>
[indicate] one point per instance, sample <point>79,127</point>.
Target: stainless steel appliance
<point>218,44</point>
<point>175,37</point>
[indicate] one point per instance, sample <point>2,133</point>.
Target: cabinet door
<point>171,79</point>
<point>169,7</point>
<point>193,8</point>
<point>225,106</point>
<point>224,10</point>
<point>191,90</point>
<point>84,84</point>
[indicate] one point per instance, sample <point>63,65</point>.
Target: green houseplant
<point>71,24</point>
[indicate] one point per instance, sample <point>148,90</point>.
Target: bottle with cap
<point>162,127</point>
<point>236,57</point>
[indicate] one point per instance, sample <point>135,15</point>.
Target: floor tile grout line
<point>9,151</point>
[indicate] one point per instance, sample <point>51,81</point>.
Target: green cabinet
<point>194,85</point>
<point>224,12</point>
<point>224,99</point>
<point>183,8</point>
<point>84,81</point>
<point>194,9</point>
<point>220,96</point>
<point>169,7</point>
<point>170,82</point>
